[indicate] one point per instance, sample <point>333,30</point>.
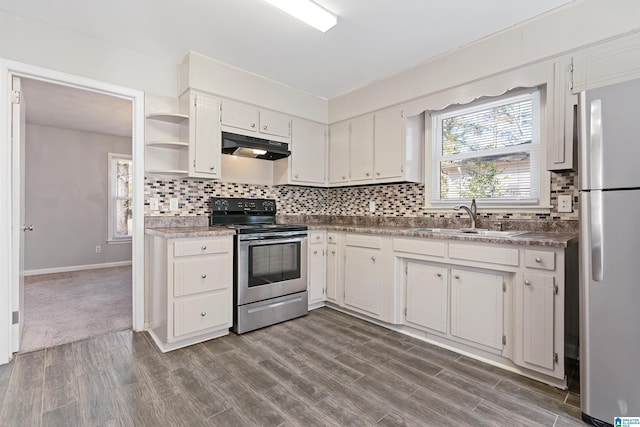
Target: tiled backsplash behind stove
<point>392,200</point>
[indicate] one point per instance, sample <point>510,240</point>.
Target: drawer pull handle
<point>204,276</point>
<point>538,259</point>
<point>457,276</point>
<point>204,247</point>
<point>204,313</point>
<point>527,282</point>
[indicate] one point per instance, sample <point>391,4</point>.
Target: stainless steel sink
<point>474,231</point>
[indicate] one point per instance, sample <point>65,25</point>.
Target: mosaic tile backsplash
<point>392,200</point>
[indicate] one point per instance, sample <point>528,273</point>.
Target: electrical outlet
<point>98,249</point>
<point>153,204</point>
<point>565,203</point>
<point>372,206</point>
<point>173,204</point>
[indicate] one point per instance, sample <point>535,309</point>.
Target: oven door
<point>270,265</point>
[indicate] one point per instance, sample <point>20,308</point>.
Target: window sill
<point>496,209</point>
<point>118,241</point>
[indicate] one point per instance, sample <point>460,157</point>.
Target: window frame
<point>112,198</point>
<point>540,202</point>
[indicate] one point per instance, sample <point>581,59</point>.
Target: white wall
<point>66,198</point>
<point>580,24</point>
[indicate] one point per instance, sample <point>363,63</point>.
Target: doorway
<point>10,213</point>
<point>77,160</point>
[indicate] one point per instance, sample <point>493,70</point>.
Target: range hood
<point>257,148</point>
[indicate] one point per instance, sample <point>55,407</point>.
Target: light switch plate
<point>153,204</point>
<point>564,203</point>
<point>372,206</point>
<point>173,204</point>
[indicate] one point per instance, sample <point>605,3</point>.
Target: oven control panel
<point>242,205</point>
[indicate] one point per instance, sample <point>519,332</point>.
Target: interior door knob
<point>27,227</point>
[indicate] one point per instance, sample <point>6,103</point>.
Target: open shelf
<point>168,144</point>
<point>172,172</point>
<point>168,117</point>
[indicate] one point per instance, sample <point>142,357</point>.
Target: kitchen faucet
<point>471,211</point>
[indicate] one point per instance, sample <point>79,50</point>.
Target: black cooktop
<point>248,215</point>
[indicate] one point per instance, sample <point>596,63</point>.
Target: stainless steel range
<point>270,263</point>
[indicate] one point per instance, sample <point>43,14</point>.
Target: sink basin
<point>476,231</point>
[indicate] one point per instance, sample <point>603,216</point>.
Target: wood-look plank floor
<point>325,369</point>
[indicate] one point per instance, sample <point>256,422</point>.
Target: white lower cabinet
<point>477,307</point>
<point>362,279</point>
<point>190,285</point>
<point>333,257</point>
<point>317,268</point>
<point>427,295</point>
<point>538,316</point>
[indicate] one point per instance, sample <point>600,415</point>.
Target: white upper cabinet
<point>361,148</point>
<point>249,120</point>
<point>388,149</point>
<point>307,164</point>
<point>383,147</point>
<point>204,137</point>
<point>339,153</point>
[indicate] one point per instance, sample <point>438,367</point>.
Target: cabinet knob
<point>439,274</point>
<point>344,177</point>
<point>264,127</point>
<point>527,282</point>
<point>378,173</point>
<point>333,252</point>
<point>204,276</point>
<point>315,252</point>
<point>204,247</point>
<point>296,175</point>
<point>538,259</point>
<point>212,167</point>
<point>317,237</point>
<point>253,125</point>
<point>367,174</point>
<point>204,313</point>
<point>330,238</point>
<point>373,259</point>
<point>457,276</point>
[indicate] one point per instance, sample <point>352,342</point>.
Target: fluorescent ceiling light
<point>308,12</point>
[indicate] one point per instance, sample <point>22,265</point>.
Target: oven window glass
<point>272,263</point>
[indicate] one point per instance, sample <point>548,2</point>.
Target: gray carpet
<point>66,307</point>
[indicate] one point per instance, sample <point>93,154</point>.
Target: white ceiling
<point>373,39</point>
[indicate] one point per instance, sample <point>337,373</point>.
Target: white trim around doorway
<point>9,219</point>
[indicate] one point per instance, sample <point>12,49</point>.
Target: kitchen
<point>349,201</point>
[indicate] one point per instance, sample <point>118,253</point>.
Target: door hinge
<point>504,340</point>
<point>15,97</point>
<point>194,163</point>
<point>555,357</point>
<point>322,291</point>
<point>405,312</point>
<point>504,287</point>
<point>402,113</point>
<point>555,289</point>
<point>406,268</point>
<point>15,318</point>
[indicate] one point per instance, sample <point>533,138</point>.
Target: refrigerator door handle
<point>597,244</point>
<point>596,142</point>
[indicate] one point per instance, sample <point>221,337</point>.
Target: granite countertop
<point>189,231</point>
<point>536,238</point>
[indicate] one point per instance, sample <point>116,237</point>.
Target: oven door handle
<point>280,238</point>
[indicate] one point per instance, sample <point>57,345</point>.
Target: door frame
<point>9,214</point>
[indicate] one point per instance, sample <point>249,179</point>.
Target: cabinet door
<point>308,148</point>
<point>427,295</point>
<point>477,307</point>
<point>388,147</point>
<point>316,270</point>
<point>361,148</point>
<point>538,319</point>
<point>241,116</point>
<point>272,123</point>
<point>339,153</point>
<point>332,272</point>
<point>205,157</point>
<point>362,278</point>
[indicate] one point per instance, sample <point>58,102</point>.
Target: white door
<point>308,148</point>
<point>388,150</point>
<point>339,153</point>
<point>427,295</point>
<point>362,279</point>
<point>18,149</point>
<point>538,311</point>
<point>361,148</point>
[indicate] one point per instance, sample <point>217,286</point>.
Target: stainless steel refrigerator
<point>609,174</point>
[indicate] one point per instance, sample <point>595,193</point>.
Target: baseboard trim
<point>76,268</point>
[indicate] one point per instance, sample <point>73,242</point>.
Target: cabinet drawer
<point>374,242</point>
<point>203,274</point>
<point>490,254</point>
<point>316,237</point>
<point>201,247</point>
<point>332,237</point>
<point>540,259</point>
<point>201,313</point>
<point>420,246</point>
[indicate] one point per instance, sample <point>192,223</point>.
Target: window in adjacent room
<point>120,197</point>
<point>489,150</point>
